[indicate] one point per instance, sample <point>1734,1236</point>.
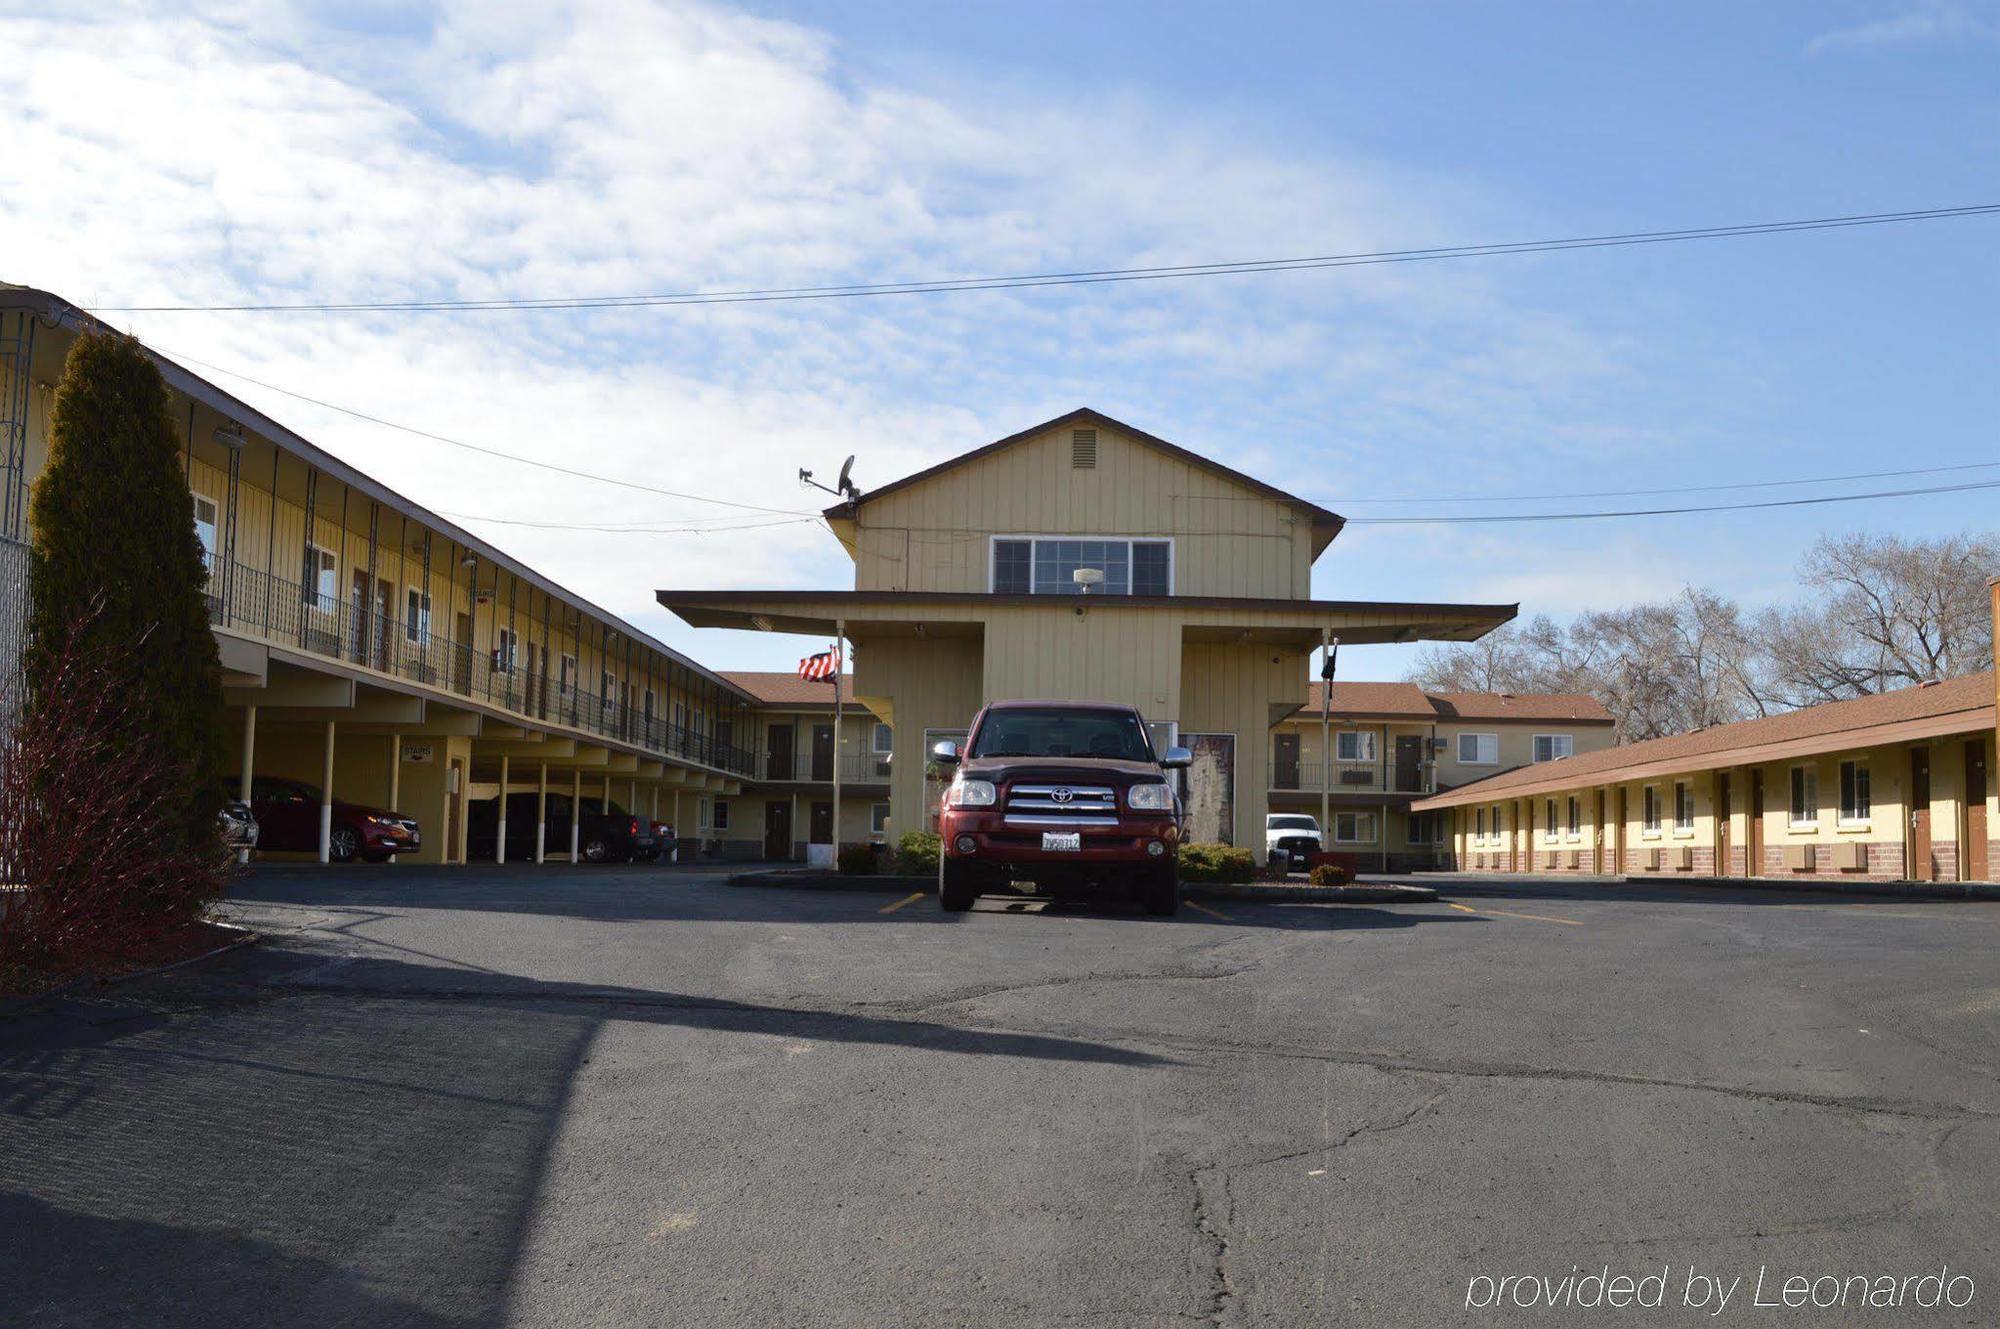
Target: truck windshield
<point>1062,732</point>
<point>1291,824</point>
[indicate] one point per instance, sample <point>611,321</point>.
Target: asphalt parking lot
<point>639,1096</point>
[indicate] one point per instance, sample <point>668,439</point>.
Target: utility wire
<point>1486,518</point>
<point>483,451</point>
<point>1687,489</point>
<point>1085,277</point>
<point>638,530</point>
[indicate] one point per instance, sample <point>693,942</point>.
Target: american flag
<point>823,667</point>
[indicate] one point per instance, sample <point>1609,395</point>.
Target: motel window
<point>417,616</point>
<point>1479,823</point>
<point>1426,827</point>
<point>1549,818</point>
<point>204,528</point>
<point>1498,829</point>
<point>1575,817</point>
<point>649,706</point>
<point>1854,799</point>
<point>606,685</point>
<point>506,651</point>
<point>1047,566</point>
<point>1354,745</point>
<point>1553,747</point>
<point>1805,796</point>
<point>1479,749</point>
<point>1683,806</point>
<point>319,587</point>
<point>1649,809</point>
<point>882,740</point>
<point>567,678</point>
<point>878,818</point>
<point>720,815</point>
<point>1354,828</point>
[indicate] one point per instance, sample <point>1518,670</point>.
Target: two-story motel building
<point>1195,606</point>
<point>376,650</point>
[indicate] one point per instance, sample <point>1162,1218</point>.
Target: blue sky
<point>283,151</point>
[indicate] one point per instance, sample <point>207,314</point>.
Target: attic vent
<point>1083,449</point>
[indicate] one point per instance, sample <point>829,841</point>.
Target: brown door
<point>461,673</point>
<point>778,753</point>
<point>1599,840</point>
<point>777,829</point>
<point>1920,815</point>
<point>454,808</point>
<point>1409,763</point>
<point>1972,865</point>
<point>1284,761</point>
<point>1754,858</point>
<point>823,755</point>
<point>822,823</point>
<point>1722,824</point>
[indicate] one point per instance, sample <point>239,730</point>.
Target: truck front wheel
<point>956,889</point>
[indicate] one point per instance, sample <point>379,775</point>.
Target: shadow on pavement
<point>1613,890</point>
<point>283,1139</point>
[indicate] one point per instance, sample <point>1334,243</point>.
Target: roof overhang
<point>1550,779</point>
<point>1202,618</point>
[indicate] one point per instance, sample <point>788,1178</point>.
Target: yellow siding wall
<point>1229,539</point>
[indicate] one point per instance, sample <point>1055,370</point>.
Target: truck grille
<point>1061,805</point>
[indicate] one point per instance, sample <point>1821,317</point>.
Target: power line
<point>483,451</point>
<point>622,529</point>
<point>1687,489</point>
<point>1489,518</point>
<point>1085,277</point>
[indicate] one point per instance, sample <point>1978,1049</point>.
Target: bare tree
<point>1881,613</point>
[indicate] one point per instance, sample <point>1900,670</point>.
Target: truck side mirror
<point>1177,758</point>
<point>945,752</point>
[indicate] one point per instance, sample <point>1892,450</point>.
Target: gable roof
<point>1399,701</point>
<point>1321,518</point>
<point>778,687</point>
<point>1930,709</point>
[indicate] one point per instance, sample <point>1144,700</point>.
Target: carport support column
<point>395,775</point>
<point>541,813</point>
<point>839,664</point>
<point>326,800</point>
<point>249,763</point>
<point>575,811</point>
<point>500,840</point>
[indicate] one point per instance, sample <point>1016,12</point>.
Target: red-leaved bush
<point>94,865</point>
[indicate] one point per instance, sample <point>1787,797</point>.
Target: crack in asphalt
<point>1214,1235</point>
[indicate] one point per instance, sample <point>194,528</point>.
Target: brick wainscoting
<point>1885,863</point>
<point>1944,855</point>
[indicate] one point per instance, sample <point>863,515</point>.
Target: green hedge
<point>917,853</point>
<point>1216,862</point>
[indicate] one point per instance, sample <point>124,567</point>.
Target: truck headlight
<point>972,794</point>
<point>1149,798</point>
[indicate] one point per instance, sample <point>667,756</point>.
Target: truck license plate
<point>1062,842</point>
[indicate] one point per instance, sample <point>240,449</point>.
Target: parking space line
<point>1539,918</point>
<point>911,898</point>
<point>1212,913</point>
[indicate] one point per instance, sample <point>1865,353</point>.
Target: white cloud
<point>1931,23</point>
<point>466,149</point>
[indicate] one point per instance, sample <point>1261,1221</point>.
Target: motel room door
<point>1285,761</point>
<point>1972,865</point>
<point>822,770</point>
<point>777,829</point>
<point>1409,763</point>
<point>1722,783</point>
<point>822,823</point>
<point>1753,864</point>
<point>778,755</point>
<point>1918,865</point>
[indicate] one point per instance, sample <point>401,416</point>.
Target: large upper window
<point>1553,747</point>
<point>1478,749</point>
<point>1047,565</point>
<point>1031,731</point>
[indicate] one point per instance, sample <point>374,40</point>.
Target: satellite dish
<point>843,484</point>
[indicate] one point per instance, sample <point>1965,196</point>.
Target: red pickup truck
<point>1068,796</point>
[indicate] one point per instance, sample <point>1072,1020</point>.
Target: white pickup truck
<point>1291,836</point>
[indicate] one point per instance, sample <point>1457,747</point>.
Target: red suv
<point>1069,796</point>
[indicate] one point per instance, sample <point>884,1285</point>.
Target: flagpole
<point>839,654</point>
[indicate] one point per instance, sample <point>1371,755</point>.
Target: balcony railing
<point>1355,777</point>
<point>856,768</point>
<point>281,611</point>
